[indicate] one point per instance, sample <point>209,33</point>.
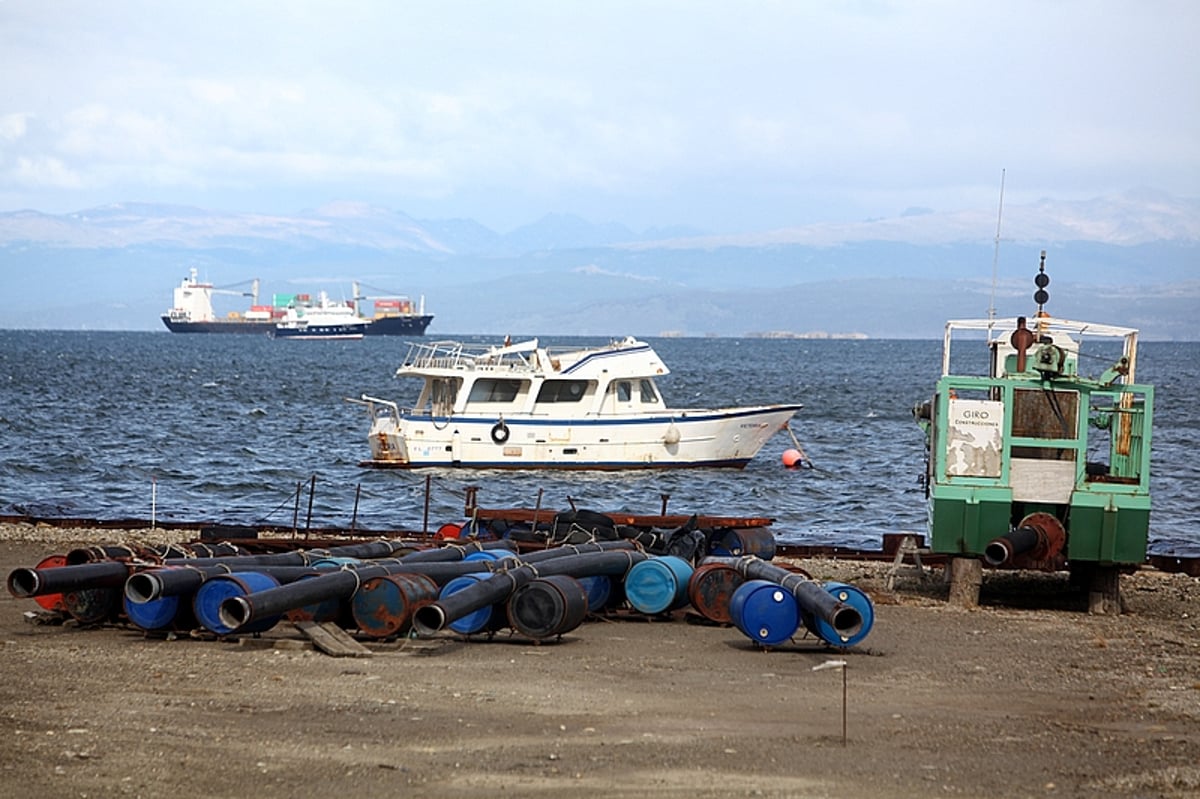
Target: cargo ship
<point>192,311</point>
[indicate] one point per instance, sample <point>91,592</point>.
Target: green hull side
<point>1108,529</point>
<point>963,521</point>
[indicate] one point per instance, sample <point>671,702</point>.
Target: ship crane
<point>357,295</point>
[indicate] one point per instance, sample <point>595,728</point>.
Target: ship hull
<point>383,326</point>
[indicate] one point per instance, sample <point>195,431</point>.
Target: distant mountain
<point>1133,257</point>
<point>1135,217</point>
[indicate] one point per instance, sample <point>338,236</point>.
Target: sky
<point>723,117</point>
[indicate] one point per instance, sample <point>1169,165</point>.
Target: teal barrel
<point>383,606</point>
<point>208,599</point>
<point>658,585</point>
<point>856,599</point>
<point>765,612</point>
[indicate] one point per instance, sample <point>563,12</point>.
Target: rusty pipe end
<point>429,619</point>
<point>998,552</point>
<point>234,612</point>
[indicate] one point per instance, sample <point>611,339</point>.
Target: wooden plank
<point>332,640</point>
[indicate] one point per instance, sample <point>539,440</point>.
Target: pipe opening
<point>429,619</point>
<point>234,612</point>
<point>846,621</point>
<point>142,587</point>
<point>23,582</point>
<point>997,552</point>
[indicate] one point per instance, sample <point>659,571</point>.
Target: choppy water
<point>223,428</point>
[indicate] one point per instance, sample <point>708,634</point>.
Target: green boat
<point>1031,463</point>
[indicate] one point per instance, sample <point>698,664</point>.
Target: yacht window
<point>442,394</point>
<point>649,395</point>
<point>624,390</point>
<point>491,389</point>
<point>562,391</point>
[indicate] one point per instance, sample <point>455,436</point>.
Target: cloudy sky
<point>722,116</point>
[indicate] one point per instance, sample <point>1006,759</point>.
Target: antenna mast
<point>996,252</point>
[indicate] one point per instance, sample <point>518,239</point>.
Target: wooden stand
<point>1104,589</point>
<point>966,577</point>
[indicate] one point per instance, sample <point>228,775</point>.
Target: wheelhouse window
<point>623,390</point>
<point>442,395</point>
<point>649,395</point>
<point>494,389</point>
<point>562,391</point>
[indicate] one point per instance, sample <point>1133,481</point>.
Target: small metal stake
<point>837,664</point>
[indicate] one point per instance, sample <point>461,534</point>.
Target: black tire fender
<point>500,432</point>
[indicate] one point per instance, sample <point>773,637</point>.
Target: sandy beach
<point>1026,696</point>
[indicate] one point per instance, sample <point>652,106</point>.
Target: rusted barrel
<point>757,541</point>
<point>765,612</point>
<point>710,589</point>
<point>548,607</point>
<point>92,605</point>
<point>383,606</point>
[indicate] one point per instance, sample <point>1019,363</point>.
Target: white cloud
<point>711,114</point>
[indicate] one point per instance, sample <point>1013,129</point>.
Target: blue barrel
<point>157,614</point>
<point>599,589</point>
<point>383,606</point>
<point>855,598</point>
<point>765,612</point>
<point>658,585</point>
<point>548,606</point>
<point>734,543</point>
<point>488,554</point>
<point>208,599</point>
<point>476,620</point>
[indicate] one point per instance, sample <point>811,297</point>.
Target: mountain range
<point>1129,259</point>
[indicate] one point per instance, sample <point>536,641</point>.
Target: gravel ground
<point>1026,696</point>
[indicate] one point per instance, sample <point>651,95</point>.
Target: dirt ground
<point>1026,696</point>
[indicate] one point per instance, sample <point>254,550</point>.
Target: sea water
<point>227,428</point>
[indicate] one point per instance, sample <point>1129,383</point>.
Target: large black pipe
<point>1017,542</point>
<point>30,582</point>
<point>583,560</point>
<point>239,611</point>
<point>812,598</point>
<point>151,584</point>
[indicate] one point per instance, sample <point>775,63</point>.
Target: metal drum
<point>855,598</point>
<point>658,585</point>
<point>548,606</point>
<point>734,543</point>
<point>765,612</point>
<point>383,606</point>
<point>711,588</point>
<point>208,599</point>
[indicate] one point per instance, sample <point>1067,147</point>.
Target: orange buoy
<point>792,457</point>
